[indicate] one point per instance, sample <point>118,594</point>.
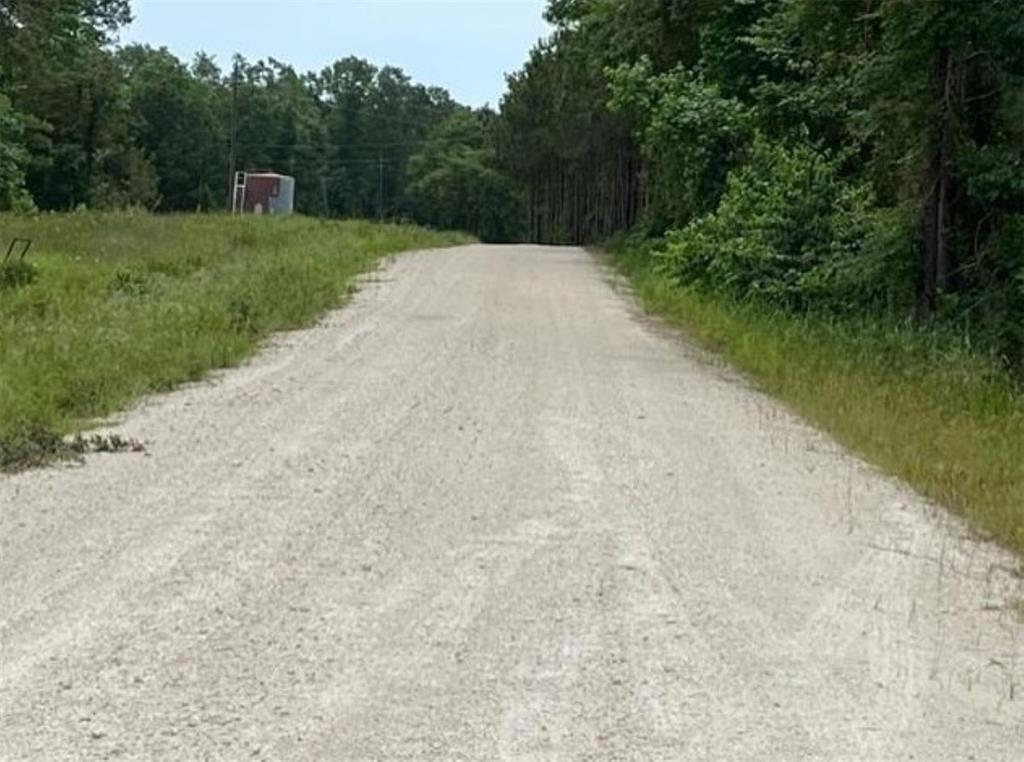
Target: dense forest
<point>85,123</point>
<point>849,158</point>
<point>861,157</point>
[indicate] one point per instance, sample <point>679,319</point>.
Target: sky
<point>465,46</point>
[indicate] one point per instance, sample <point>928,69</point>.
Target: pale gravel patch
<point>486,512</point>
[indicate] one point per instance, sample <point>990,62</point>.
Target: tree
<point>177,124</point>
<point>56,71</point>
<point>12,159</point>
<point>951,122</point>
<point>688,131</point>
<point>908,116</point>
<point>456,184</point>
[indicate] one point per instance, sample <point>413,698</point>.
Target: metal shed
<point>263,193</point>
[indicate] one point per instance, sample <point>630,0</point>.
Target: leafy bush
<point>790,231</point>
<point>692,135</point>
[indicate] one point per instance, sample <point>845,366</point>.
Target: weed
<point>25,445</point>
<point>177,266</point>
<point>244,315</point>
<point>81,445</point>
<point>128,283</point>
<point>17,273</point>
<point>34,445</point>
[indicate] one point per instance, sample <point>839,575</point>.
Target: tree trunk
<point>937,263</point>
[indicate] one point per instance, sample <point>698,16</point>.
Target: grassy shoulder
<point>116,306</point>
<point>920,406</point>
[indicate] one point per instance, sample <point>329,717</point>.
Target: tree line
<point>846,158</point>
<point>85,123</point>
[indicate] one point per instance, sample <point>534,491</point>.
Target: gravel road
<point>487,511</point>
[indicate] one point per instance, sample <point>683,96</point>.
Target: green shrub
<point>790,231</point>
<point>692,137</point>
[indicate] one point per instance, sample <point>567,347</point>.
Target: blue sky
<point>466,46</point>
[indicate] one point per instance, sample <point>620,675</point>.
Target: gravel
<point>488,511</point>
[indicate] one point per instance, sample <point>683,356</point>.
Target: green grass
<point>119,305</point>
<point>919,404</point>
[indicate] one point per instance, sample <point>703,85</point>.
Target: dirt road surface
<point>489,512</point>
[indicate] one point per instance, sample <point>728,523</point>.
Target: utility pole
<point>231,150</point>
<point>380,187</point>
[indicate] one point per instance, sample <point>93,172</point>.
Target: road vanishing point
<point>490,511</point>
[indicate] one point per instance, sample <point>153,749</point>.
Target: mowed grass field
<point>115,306</point>
<point>918,404</point>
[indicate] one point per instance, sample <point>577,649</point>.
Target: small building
<point>263,193</point>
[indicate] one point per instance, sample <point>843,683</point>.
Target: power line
<point>368,162</point>
<point>328,107</point>
<point>370,144</point>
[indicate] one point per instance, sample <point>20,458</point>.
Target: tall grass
<point>919,404</point>
<point>119,305</point>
